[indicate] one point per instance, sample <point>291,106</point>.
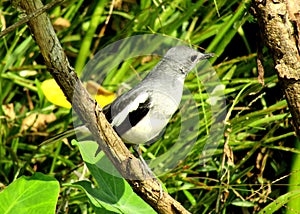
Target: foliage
<point>248,171</point>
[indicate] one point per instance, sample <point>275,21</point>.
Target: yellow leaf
<point>100,94</point>
<point>104,100</point>
<point>54,94</point>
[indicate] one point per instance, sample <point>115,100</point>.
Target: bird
<point>141,114</point>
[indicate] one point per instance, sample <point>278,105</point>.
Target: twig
<point>30,16</point>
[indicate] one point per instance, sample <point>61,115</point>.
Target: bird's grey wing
<point>127,110</point>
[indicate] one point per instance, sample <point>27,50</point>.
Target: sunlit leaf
<point>54,94</point>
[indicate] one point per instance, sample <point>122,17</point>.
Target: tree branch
<point>146,186</point>
<point>279,23</point>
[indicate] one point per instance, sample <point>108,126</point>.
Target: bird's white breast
<point>162,108</point>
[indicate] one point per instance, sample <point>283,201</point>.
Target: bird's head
<point>185,58</point>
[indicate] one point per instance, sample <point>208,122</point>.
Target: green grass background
<point>261,163</point>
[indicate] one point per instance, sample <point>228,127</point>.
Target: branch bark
<point>279,22</point>
<point>146,186</point>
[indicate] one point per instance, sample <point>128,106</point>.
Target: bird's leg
<point>136,149</point>
<point>145,166</point>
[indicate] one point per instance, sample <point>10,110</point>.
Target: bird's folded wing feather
<point>126,113</point>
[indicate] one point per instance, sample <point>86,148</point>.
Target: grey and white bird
<point>142,113</point>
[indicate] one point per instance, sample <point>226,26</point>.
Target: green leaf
<point>87,40</point>
<point>113,194</point>
<point>280,201</point>
<point>35,194</point>
<point>241,203</point>
<point>294,182</point>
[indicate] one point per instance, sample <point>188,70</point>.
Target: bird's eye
<point>193,58</point>
<point>182,70</point>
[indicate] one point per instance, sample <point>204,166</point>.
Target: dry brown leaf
<point>37,121</point>
<point>61,23</point>
<point>261,71</point>
<point>9,111</point>
<point>229,154</point>
<point>94,88</point>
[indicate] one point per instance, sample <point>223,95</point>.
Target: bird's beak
<point>207,56</point>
